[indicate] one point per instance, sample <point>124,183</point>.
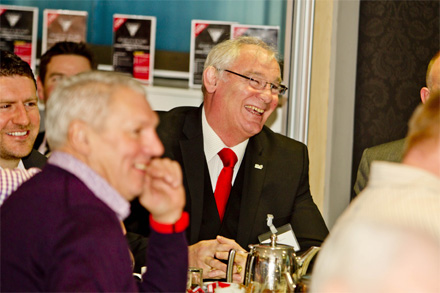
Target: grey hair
<point>84,97</point>
<point>224,54</point>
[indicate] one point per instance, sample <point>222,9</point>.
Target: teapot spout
<point>304,261</point>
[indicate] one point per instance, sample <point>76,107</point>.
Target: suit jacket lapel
<point>252,187</point>
<point>194,162</point>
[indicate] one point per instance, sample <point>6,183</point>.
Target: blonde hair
<point>429,82</point>
<point>424,124</point>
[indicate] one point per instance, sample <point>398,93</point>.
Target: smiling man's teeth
<point>17,133</point>
<point>253,108</point>
<point>140,166</point>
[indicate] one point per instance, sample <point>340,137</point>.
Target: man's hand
<point>164,194</point>
<point>207,254</point>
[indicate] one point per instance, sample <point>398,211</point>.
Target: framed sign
<point>18,31</point>
<point>134,38</point>
<point>63,25</point>
<point>269,34</point>
<point>205,34</point>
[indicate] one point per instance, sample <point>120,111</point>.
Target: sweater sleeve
<point>167,263</point>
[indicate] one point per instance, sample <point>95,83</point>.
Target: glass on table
<point>195,278</point>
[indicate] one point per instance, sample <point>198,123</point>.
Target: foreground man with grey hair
<point>61,230</point>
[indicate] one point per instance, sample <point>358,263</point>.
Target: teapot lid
<point>272,246</point>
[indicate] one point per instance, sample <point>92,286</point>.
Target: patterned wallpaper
<point>396,41</point>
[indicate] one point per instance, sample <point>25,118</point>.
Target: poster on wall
<point>18,31</point>
<point>63,25</point>
<point>205,34</point>
<point>134,38</point>
<point>269,34</point>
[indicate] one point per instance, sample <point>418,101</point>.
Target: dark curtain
<point>397,39</point>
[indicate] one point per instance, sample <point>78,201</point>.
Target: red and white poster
<point>63,25</point>
<point>205,34</point>
<point>18,31</point>
<point>134,38</point>
<point>269,34</point>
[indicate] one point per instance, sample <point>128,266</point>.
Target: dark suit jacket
<point>39,141</point>
<point>390,151</point>
<point>34,159</point>
<point>56,236</point>
<point>280,187</point>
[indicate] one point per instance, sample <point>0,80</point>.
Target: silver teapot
<point>273,267</point>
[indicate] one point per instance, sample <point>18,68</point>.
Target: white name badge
<point>285,235</point>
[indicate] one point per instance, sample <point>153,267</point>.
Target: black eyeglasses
<point>277,89</point>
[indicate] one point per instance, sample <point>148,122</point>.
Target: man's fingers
<point>226,242</point>
<point>240,256</point>
<point>216,264</point>
<point>166,170</point>
<point>237,278</point>
<point>216,274</point>
<point>213,268</point>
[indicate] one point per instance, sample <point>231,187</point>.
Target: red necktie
<point>224,181</point>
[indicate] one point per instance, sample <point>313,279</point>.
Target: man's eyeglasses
<point>277,89</point>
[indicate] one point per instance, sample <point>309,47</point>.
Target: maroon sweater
<point>57,236</point>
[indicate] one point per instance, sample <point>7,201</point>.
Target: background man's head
<point>241,84</point>
<point>62,60</point>
<point>19,116</point>
<point>432,78</point>
<point>422,147</point>
<point>104,120</point>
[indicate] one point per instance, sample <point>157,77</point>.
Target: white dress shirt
<point>212,144</point>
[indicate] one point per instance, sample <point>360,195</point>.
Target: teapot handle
<point>248,271</point>
<point>230,267</point>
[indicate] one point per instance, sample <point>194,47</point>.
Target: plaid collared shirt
<point>11,179</point>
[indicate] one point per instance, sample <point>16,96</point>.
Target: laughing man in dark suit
<point>241,87</point>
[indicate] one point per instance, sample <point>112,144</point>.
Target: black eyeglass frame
<point>280,89</point>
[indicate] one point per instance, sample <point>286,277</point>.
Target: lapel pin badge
<point>258,166</point>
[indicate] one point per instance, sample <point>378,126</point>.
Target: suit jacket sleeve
<point>390,151</point>
<point>362,173</point>
<point>167,263</point>
<point>307,221</point>
<point>281,190</point>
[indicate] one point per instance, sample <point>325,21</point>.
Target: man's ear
<point>40,90</point>
<point>210,79</point>
<point>424,94</point>
<point>78,137</point>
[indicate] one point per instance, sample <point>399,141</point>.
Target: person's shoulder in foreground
<point>375,256</point>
